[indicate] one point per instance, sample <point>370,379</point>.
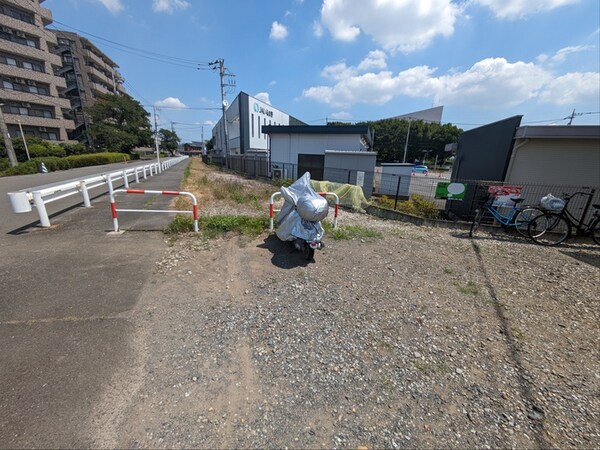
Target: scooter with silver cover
<point>299,220</point>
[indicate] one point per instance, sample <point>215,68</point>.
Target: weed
<point>448,271</point>
<point>186,172</point>
<point>350,232</point>
<point>180,224</point>
<point>469,289</point>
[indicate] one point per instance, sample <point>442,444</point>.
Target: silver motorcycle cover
<point>303,209</point>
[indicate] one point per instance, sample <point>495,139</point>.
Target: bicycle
<point>554,227</point>
<point>518,217</point>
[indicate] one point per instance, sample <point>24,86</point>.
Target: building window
<point>11,61</point>
<point>252,121</point>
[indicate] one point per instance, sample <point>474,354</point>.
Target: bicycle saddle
<point>517,199</point>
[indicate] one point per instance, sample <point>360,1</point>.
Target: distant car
<point>420,169</point>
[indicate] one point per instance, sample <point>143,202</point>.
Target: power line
<point>144,53</point>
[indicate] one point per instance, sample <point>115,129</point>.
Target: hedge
<point>70,162</point>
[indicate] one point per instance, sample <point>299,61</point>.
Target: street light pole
<point>24,140</point>
<point>406,142</point>
<point>10,151</point>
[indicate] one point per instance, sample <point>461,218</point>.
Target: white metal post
<point>86,194</point>
<point>125,180</point>
<point>41,209</point>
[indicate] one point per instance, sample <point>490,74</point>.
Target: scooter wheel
<point>309,252</point>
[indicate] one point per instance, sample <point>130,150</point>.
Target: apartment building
<point>88,72</point>
<point>29,89</point>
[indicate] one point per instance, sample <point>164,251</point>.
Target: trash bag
<point>552,203</point>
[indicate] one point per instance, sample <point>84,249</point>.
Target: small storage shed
<point>352,168</point>
<point>395,177</point>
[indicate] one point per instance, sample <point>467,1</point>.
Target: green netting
<point>351,196</point>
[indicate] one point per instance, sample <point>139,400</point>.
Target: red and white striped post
<point>114,210</point>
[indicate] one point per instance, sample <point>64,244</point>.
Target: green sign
<point>451,191</point>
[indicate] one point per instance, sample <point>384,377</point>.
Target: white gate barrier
<point>22,201</point>
<point>114,210</point>
<point>272,209</point>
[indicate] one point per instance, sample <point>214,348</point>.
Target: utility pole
<point>7,141</point>
<point>220,63</point>
<point>571,117</point>
<point>156,140</point>
<point>172,127</point>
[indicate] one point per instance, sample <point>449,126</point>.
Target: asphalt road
<point>65,302</point>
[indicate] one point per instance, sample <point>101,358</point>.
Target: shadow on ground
<point>284,255</point>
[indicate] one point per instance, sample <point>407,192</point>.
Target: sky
<point>351,60</point>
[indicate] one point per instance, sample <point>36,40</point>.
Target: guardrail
<point>114,210</point>
<point>272,209</point>
<point>23,201</point>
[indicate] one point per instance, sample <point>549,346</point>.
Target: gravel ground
<point>421,338</point>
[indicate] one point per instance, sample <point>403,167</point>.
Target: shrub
<point>74,149</point>
<point>4,164</point>
<point>96,159</point>
<point>41,150</point>
<point>420,207</point>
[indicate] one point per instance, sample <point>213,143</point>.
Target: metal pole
<point>406,143</point>
<point>12,157</point>
<point>24,140</point>
<point>156,139</point>
<point>397,192</point>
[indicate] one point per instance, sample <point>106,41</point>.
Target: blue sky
<point>352,60</point>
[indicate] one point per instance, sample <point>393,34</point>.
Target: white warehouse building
<point>245,118</point>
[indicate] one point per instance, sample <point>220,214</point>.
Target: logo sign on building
<point>262,110</point>
<point>450,191</point>
<point>502,194</point>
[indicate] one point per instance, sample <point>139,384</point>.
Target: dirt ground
<point>420,338</point>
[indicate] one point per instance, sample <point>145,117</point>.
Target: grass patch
<point>468,289</point>
<point>213,226</point>
<point>448,271</point>
<point>186,172</point>
<point>348,232</point>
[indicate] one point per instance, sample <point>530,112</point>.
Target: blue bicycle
<point>517,217</point>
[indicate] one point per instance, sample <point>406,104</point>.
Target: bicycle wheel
<point>595,230</point>
<point>522,218</point>
<point>476,221</point>
<point>549,229</point>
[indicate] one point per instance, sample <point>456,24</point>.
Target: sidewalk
<point>67,294</point>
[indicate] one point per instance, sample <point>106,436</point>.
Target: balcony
<point>99,75</point>
<point>100,88</point>
<point>31,52</point>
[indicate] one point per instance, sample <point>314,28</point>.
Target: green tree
<point>424,139</point>
<point>168,140</point>
<point>210,144</point>
<point>118,123</point>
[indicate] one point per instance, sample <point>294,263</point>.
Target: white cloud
<point>317,29</point>
<point>338,71</point>
<point>571,88</point>
<point>374,60</point>
<point>272,83</point>
<point>263,97</point>
<point>518,9</point>
<point>341,115</point>
<point>562,54</point>
<point>489,83</point>
<point>114,6</point>
<point>405,25</point>
<point>169,5</point>
<point>170,102</point>
<point>210,123</point>
<point>278,31</point>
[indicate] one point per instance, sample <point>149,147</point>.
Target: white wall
<point>260,114</point>
<point>556,162</point>
<point>285,147</point>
